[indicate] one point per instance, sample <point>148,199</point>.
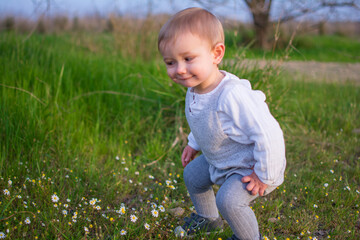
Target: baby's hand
<point>188,155</point>
<point>254,186</point>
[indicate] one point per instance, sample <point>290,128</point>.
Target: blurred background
<point>319,17</point>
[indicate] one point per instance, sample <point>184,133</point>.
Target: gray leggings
<point>232,200</point>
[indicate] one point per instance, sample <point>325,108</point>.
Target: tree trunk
<point>261,23</point>
<point>260,10</point>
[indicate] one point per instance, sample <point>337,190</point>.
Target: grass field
<point>90,145</point>
<point>328,48</point>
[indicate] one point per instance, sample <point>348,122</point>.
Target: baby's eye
<point>188,59</point>
<point>169,63</point>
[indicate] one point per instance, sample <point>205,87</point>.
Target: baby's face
<point>190,61</point>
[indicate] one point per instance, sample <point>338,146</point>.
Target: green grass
<point>328,48</point>
<point>81,122</point>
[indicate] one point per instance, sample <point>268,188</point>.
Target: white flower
<point>147,226</point>
<point>133,218</point>
<point>10,182</point>
<point>6,192</point>
<point>117,158</point>
<point>332,171</point>
<point>315,206</point>
<point>54,198</point>
<point>122,210</point>
<point>326,185</point>
<point>86,229</point>
<point>27,220</point>
<point>151,176</point>
<point>64,212</point>
<point>123,232</point>
<point>2,235</point>
<point>93,201</point>
<point>153,205</point>
<point>155,213</point>
<point>161,208</point>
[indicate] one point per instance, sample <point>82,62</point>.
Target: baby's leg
<point>199,186</point>
<point>233,202</point>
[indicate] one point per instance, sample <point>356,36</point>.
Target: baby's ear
<point>218,52</point>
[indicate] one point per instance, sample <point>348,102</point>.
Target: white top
<point>245,118</point>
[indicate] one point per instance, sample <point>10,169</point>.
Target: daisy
<point>93,201</point>
<point>122,210</point>
<point>98,207</point>
<point>64,212</point>
<point>147,226</point>
<point>161,208</point>
<point>27,220</point>
<point>10,182</point>
<point>123,232</point>
<point>133,218</point>
<point>155,213</point>
<point>2,235</point>
<point>54,198</point>
<point>6,192</point>
<point>86,229</point>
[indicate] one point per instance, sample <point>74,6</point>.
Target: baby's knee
<point>227,203</point>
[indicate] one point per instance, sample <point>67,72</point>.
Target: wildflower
<point>6,192</point>
<point>147,226</point>
<point>153,205</point>
<point>332,171</point>
<point>151,176</point>
<point>122,232</point>
<point>93,201</point>
<point>68,200</point>
<point>133,218</point>
<point>126,169</point>
<point>98,207</point>
<point>2,235</point>
<point>64,212</point>
<point>54,198</point>
<point>117,158</point>
<point>347,188</point>
<point>315,206</point>
<point>27,220</point>
<point>155,213</point>
<point>161,208</point>
<point>326,185</point>
<point>122,210</point>
<point>10,182</point>
<point>86,229</point>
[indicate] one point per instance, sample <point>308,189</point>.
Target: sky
<point>235,9</point>
<point>34,8</point>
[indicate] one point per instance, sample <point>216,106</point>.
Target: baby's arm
<point>188,155</point>
<point>255,185</point>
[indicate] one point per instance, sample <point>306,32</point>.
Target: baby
<point>242,144</point>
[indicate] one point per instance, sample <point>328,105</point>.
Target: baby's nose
<point>181,69</point>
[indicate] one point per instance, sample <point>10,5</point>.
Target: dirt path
<point>319,71</point>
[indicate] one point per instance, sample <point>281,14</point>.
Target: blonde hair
<point>197,21</point>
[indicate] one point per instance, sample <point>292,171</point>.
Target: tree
<point>291,9</point>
